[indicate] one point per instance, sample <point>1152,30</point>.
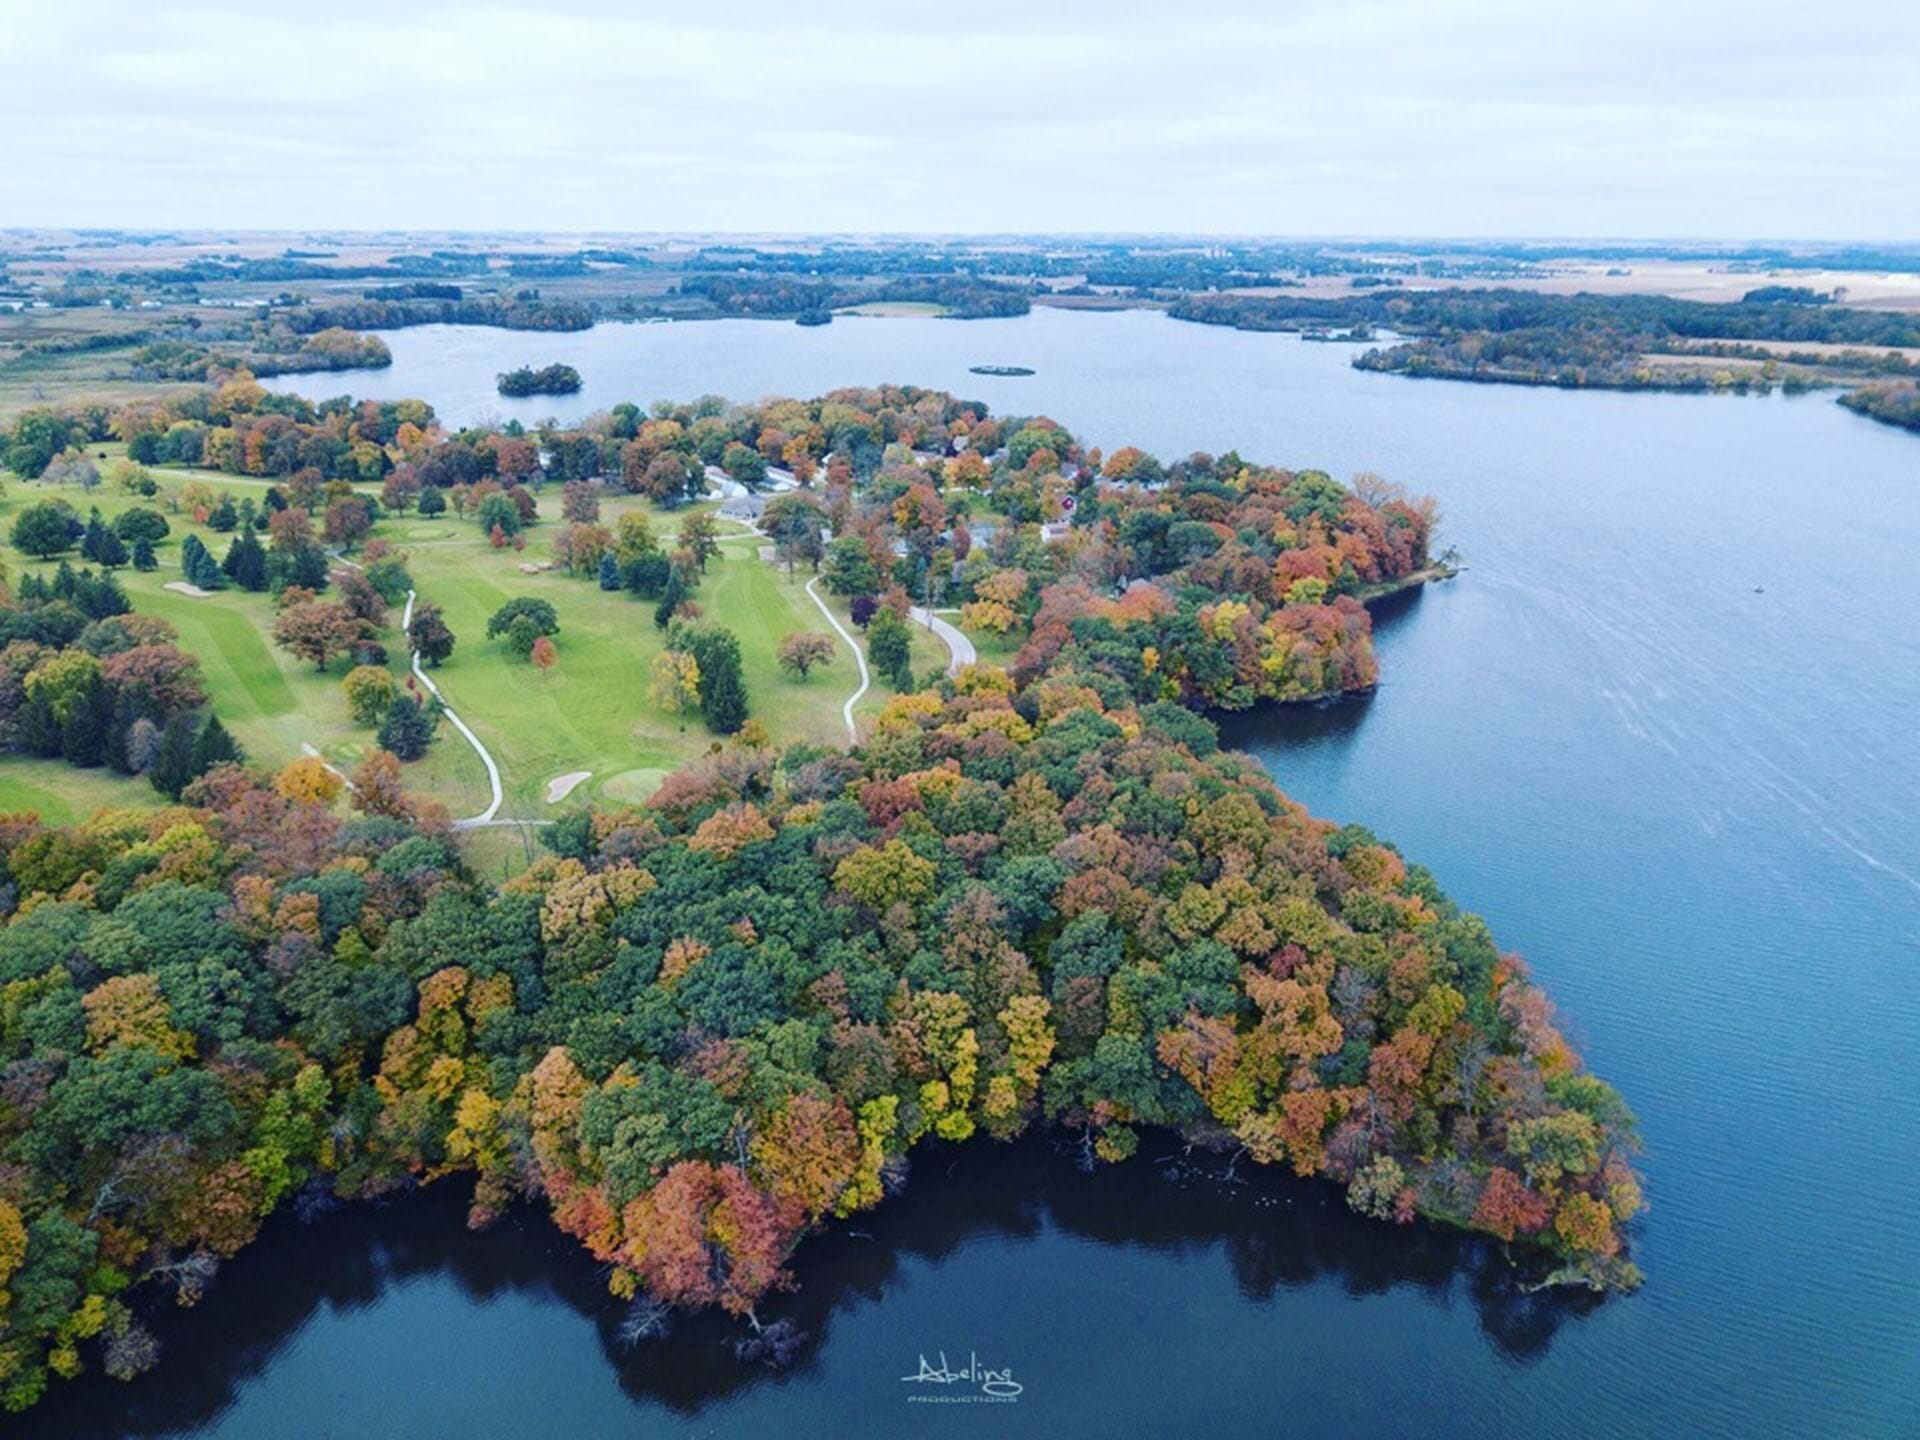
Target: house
<point>748,508</point>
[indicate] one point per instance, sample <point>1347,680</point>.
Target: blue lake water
<point>1661,733</point>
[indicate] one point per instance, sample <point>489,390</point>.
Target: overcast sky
<point>1422,117</point>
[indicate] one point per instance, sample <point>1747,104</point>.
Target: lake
<point>1661,734</point>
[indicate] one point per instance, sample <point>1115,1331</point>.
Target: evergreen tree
<point>224,516</point>
<point>310,568</point>
<point>609,571</point>
<point>144,560</point>
<point>246,562</point>
<point>214,746</point>
<point>90,541</point>
<point>36,729</point>
<point>110,550</point>
<point>83,738</point>
<point>671,597</point>
<point>275,500</point>
<point>197,564</point>
<point>431,502</point>
<point>172,769</point>
<point>408,728</point>
<point>723,690</point>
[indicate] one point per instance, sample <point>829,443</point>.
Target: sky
<point>1634,118</point>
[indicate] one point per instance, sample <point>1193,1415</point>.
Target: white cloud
<point>1410,116</point>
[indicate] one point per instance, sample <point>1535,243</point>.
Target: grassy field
<point>592,712</point>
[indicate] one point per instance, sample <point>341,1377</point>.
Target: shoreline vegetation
<point>1035,893</point>
<point>1775,337</point>
<point>553,379</point>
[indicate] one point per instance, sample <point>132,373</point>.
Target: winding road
<point>959,647</point>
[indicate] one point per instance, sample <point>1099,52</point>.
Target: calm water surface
<point>1661,734</point>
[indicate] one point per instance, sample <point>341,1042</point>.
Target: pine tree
<point>36,729</point>
<point>609,572</point>
<point>246,562</point>
<point>670,599</point>
<point>90,542</point>
<point>723,691</point>
<point>110,550</point>
<point>214,746</point>
<point>83,738</point>
<point>144,560</point>
<point>224,515</point>
<point>407,730</point>
<point>172,769</point>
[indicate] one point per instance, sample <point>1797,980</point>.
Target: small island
<point>998,370</point>
<point>553,380</point>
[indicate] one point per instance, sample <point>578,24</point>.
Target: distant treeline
<point>789,296</point>
<point>1648,318</point>
<point>516,314</point>
<point>214,271</point>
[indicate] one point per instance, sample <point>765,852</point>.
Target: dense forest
<point>1519,337</point>
<point>700,1028</point>
<point>1034,895</point>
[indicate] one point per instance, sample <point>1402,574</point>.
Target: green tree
<point>408,728</point>
<point>44,529</point>
<point>890,648</point>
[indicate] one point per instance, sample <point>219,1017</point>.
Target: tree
<point>408,728</point>
<point>804,649</point>
<point>609,575</point>
<point>432,502</point>
<point>890,648</point>
<point>723,691</point>
<point>214,746</point>
<point>672,596</point>
<point>144,560</point>
<point>543,655</point>
<point>676,683</point>
<point>428,634</point>
<point>522,635</point>
<point>538,613</point>
<point>44,529</point>
<point>700,538</point>
<point>317,630</point>
<point>171,769</point>
<point>131,525</point>
<point>850,567</point>
<point>370,691</point>
<point>110,550</point>
<point>744,463</point>
<point>246,562</point>
<point>199,566</point>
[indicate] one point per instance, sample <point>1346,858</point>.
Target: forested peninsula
<point>698,1028</point>
<point>1776,336</point>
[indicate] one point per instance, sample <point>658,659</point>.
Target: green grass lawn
<point>594,711</point>
<point>63,795</point>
